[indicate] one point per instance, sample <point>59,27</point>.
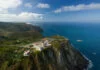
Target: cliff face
<point>60,56</point>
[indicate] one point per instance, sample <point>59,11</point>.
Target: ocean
<point>85,37</point>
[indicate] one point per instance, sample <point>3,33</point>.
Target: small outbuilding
<point>26,53</point>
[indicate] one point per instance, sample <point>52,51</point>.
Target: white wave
<point>90,65</point>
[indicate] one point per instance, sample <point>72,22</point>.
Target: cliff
<point>59,56</point>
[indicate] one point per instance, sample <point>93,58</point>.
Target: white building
<point>26,53</point>
<point>46,43</point>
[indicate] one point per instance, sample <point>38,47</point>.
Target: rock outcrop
<point>60,56</point>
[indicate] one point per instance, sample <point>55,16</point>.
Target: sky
<point>50,10</point>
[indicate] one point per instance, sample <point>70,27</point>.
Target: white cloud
<point>58,10</point>
<point>24,16</point>
<point>43,5</point>
<point>78,7</point>
<point>9,4</point>
<point>5,4</point>
<point>29,5</point>
<point>5,15</point>
<point>3,10</point>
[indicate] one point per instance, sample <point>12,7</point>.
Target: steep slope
<point>59,56</point>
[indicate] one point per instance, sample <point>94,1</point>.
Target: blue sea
<point>89,33</point>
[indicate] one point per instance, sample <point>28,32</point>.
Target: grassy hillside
<point>12,36</point>
<point>17,27</point>
<point>18,33</point>
<point>59,56</point>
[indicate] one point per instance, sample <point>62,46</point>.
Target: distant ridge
<point>19,31</point>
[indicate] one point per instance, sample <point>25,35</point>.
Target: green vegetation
<point>9,55</point>
<point>58,40</point>
<point>12,36</point>
<point>18,33</point>
<point>59,56</point>
<point>58,37</point>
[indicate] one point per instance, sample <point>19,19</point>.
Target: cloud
<point>43,5</point>
<point>78,7</point>
<point>29,5</point>
<point>24,16</point>
<point>3,10</point>
<point>5,5</point>
<point>5,15</point>
<point>58,10</point>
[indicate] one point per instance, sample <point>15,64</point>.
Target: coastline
<point>90,65</point>
<point>86,44</point>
